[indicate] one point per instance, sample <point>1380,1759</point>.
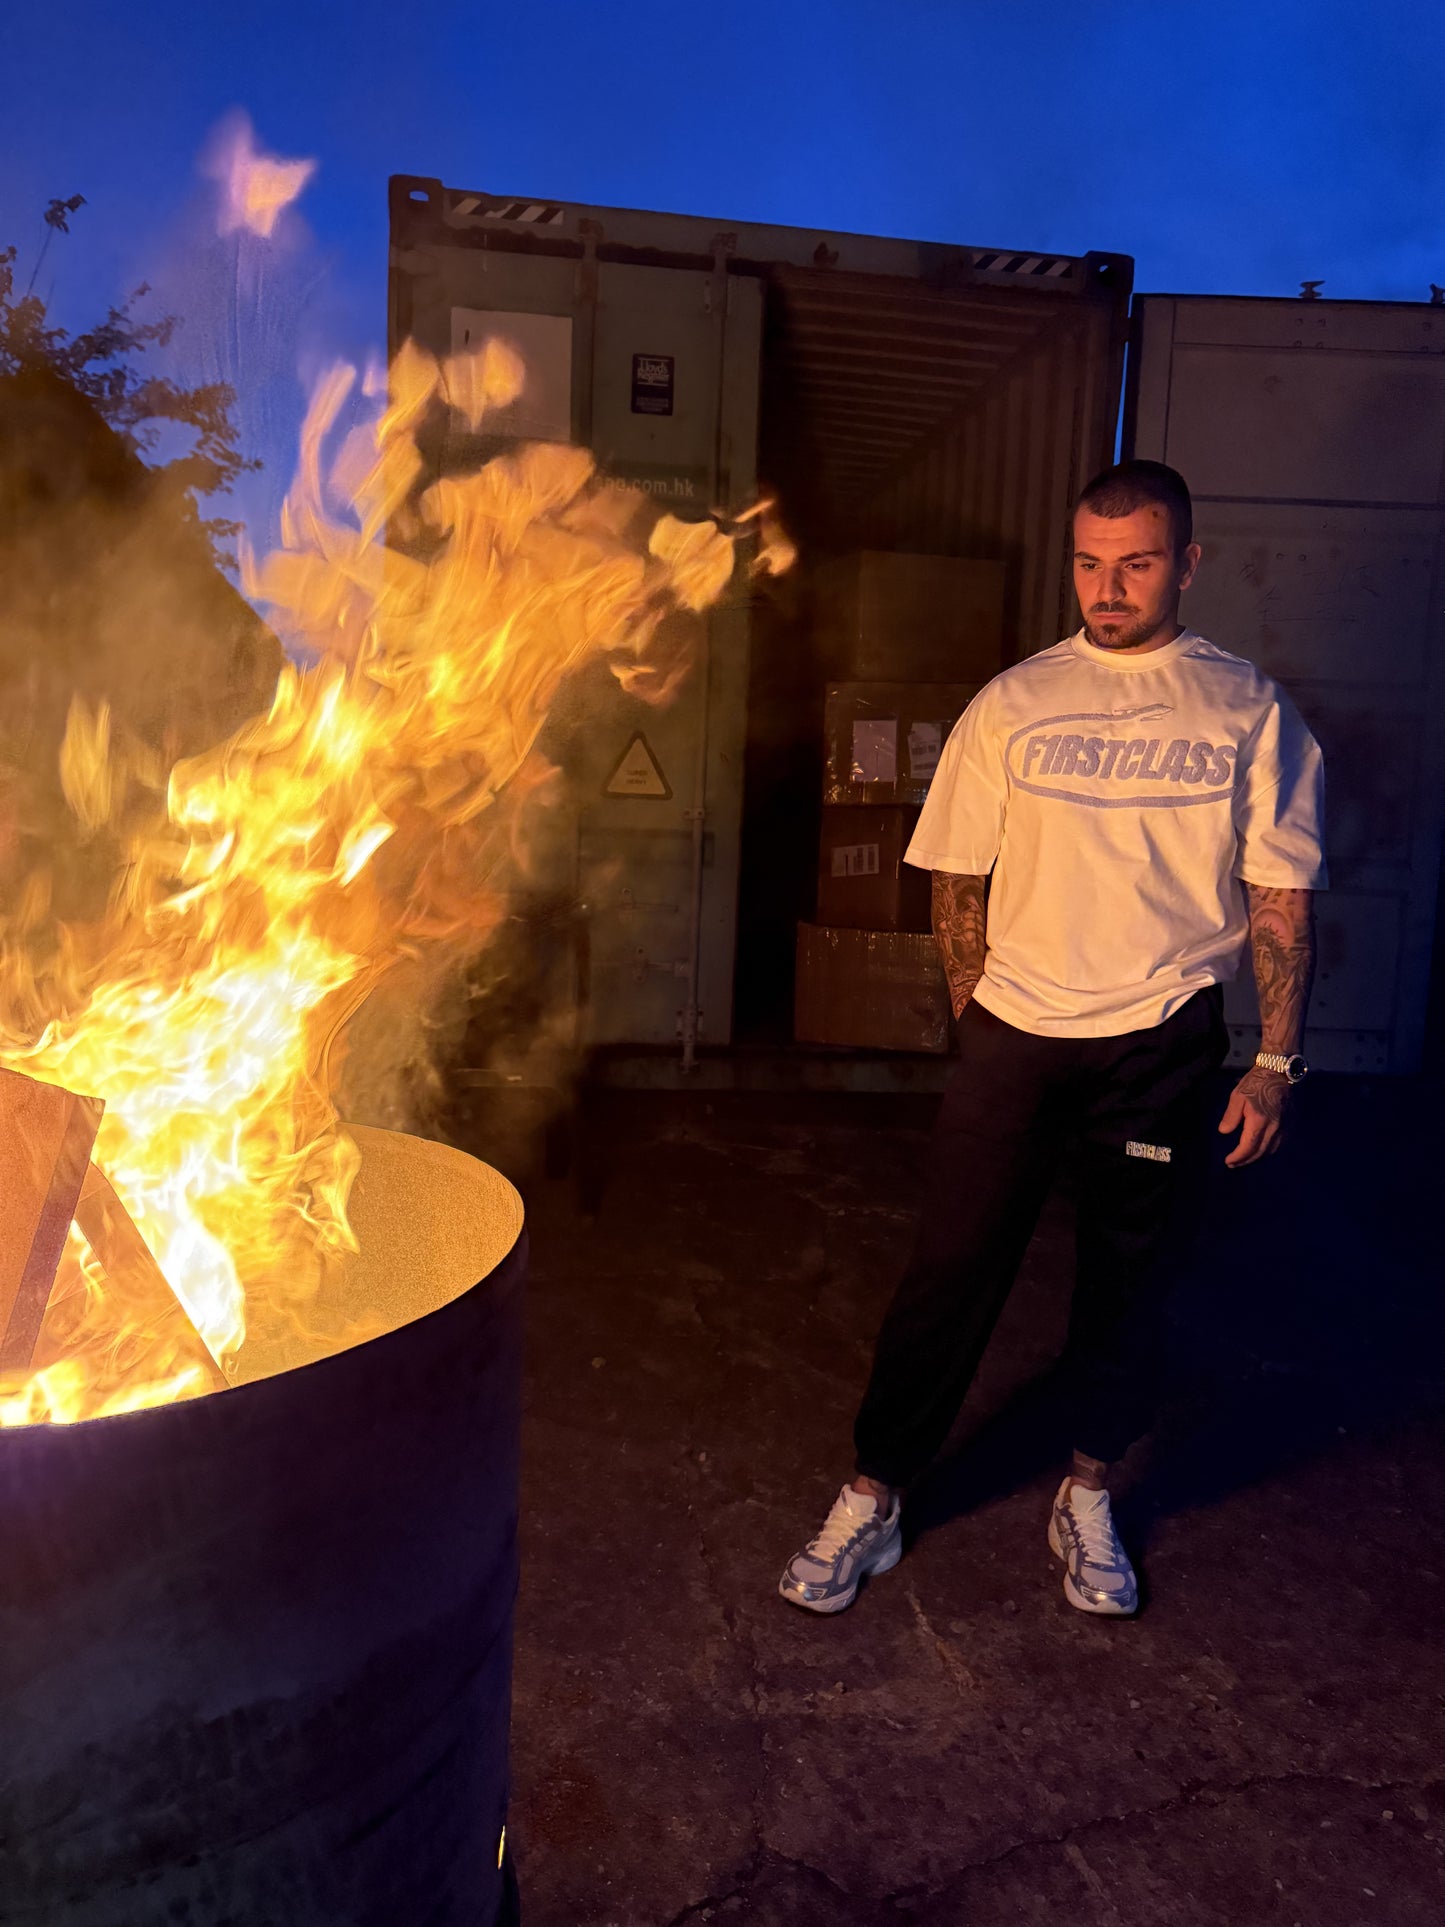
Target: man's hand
<point>1257,1103</point>
<point>1282,939</point>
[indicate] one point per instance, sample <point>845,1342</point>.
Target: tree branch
<point>101,364</point>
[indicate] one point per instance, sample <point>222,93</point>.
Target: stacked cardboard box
<point>916,637</point>
<point>882,740</point>
<point>863,882</point>
<point>870,989</point>
<point>915,618</point>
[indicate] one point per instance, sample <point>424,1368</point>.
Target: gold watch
<point>1292,1067</point>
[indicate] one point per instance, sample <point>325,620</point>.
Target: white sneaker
<point>855,1541</point>
<point>1097,1575</point>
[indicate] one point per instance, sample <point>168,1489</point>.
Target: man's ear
<point>1191,563</point>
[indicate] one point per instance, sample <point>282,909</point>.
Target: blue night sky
<point>1227,147</point>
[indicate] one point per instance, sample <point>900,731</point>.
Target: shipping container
<point>927,403</point>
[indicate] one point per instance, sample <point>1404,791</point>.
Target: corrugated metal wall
<point>998,479</point>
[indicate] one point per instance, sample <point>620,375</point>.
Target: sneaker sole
<point>841,1601</point>
<point>1071,1592</point>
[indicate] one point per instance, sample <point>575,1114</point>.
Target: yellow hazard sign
<point>638,772</point>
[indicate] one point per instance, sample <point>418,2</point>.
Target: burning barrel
<point>255,1648</point>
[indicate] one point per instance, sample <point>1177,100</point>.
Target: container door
<point>656,370</point>
<point>1312,436</point>
<point>674,412</point>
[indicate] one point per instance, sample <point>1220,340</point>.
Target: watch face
<point>1295,1068</point>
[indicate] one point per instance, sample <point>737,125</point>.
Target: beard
<point>1133,628</point>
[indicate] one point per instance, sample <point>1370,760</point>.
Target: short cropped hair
<point>1129,486</point>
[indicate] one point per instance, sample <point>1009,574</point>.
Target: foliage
<point>146,410</point>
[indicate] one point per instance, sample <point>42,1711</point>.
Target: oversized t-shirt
<point>1121,802</point>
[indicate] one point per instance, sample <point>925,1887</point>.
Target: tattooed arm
<point>1282,938</point>
<point>958,927</point>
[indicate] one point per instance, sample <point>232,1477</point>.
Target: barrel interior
<point>429,1220</point>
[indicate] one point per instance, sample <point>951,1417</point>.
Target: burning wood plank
<point>126,1259</point>
<point>46,1135</point>
<point>46,1180</point>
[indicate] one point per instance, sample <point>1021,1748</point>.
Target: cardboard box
<point>863,882</point>
<point>870,990</point>
<point>882,740</point>
<point>919,618</point>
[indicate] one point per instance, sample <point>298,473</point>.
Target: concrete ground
<point>1264,1743</point>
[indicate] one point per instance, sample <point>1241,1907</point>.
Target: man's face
<point>1129,579</point>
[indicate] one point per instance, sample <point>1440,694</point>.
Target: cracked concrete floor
<point>1265,1743</point>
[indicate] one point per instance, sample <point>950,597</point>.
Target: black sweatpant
<point>1012,1107</point>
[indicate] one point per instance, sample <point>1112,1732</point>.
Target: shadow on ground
<point>1264,1743</point>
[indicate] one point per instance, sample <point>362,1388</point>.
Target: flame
<point>256,188</point>
<point>365,821</point>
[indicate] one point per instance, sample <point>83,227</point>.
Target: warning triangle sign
<point>638,773</point>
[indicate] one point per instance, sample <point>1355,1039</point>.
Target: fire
<point>263,890</point>
<point>256,188</point>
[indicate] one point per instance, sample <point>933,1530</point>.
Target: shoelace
<point>838,1528</point>
<point>1097,1536</point>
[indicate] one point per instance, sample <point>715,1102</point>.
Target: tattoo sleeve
<point>1282,938</point>
<point>958,930</point>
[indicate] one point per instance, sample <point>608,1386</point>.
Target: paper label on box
<point>855,860</point>
<point>925,746</point>
<point>875,752</point>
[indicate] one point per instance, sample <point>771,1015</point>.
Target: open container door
<point>928,416</point>
<point>1311,434</point>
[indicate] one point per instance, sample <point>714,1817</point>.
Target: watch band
<point>1293,1066</point>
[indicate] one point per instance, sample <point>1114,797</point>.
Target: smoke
<point>256,188</point>
<point>258,301</point>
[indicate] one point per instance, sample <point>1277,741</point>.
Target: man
<point>1111,819</point>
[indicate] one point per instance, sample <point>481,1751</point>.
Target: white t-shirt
<point>1124,799</point>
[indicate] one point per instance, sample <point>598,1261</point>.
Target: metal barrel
<point>255,1649</point>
